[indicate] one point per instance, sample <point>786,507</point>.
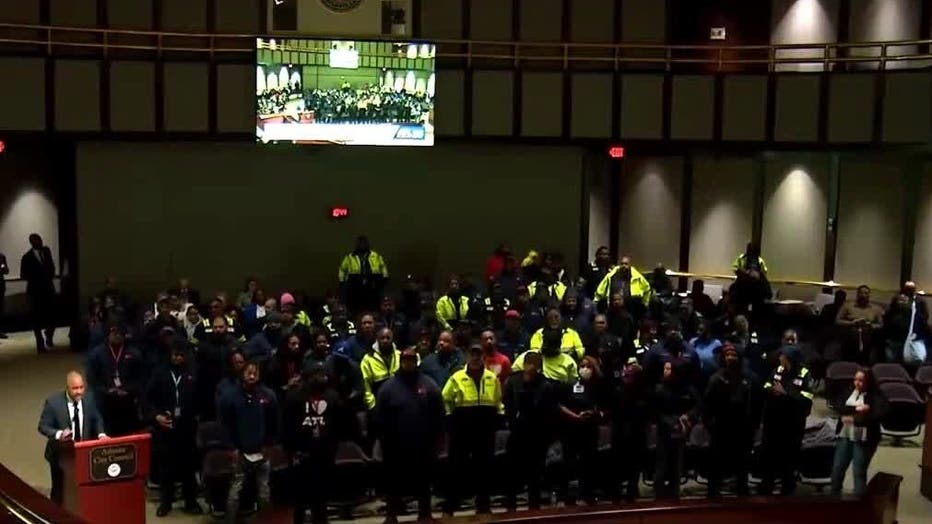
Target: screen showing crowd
<point>345,92</point>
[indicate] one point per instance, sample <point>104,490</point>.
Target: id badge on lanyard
<point>117,383</point>
<point>177,381</point>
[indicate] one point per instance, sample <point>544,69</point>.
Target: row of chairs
<point>358,475</point>
<point>903,393</point>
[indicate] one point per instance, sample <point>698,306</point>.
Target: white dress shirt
<point>71,420</point>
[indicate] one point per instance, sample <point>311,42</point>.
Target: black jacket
<point>38,275</point>
<point>102,370</point>
<point>729,403</point>
<point>879,407</point>
<point>408,417</point>
<point>251,420</point>
<point>671,401</point>
<point>212,361</point>
<point>160,400</point>
<point>313,423</point>
<point>530,407</point>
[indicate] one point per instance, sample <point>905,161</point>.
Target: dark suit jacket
<point>38,275</point>
<point>55,417</point>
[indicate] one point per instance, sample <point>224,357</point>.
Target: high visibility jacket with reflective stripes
<point>461,392</point>
<point>797,383</point>
<point>351,266</point>
<point>555,290</point>
<point>639,286</point>
<point>560,368</point>
<point>448,312</point>
<point>375,371</point>
<point>741,262</point>
<point>570,343</point>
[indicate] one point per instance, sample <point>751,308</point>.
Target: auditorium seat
<point>924,378</point>
<point>815,465</point>
<point>352,478</point>
<point>906,411</point>
<point>890,373</point>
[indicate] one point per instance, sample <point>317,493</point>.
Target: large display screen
<point>345,92</point>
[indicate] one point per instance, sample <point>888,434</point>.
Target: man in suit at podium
<point>68,416</point>
<point>38,270</point>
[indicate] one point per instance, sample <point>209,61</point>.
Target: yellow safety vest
<point>352,266</point>
<point>639,286</point>
<point>555,290</point>
<point>570,343</point>
<point>375,371</point>
<point>740,260</point>
<point>561,368</point>
<point>447,310</point>
<point>460,392</point>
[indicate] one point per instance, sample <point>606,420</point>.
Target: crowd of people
<point>347,104</point>
<point>525,348</point>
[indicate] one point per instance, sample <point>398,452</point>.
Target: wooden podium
<point>104,480</point>
<point>925,475</point>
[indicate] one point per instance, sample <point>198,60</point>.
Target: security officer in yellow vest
<point>788,401</point>
<point>453,308</point>
<point>378,365</point>
<point>362,277</point>
<point>548,288</point>
<point>751,287</point>
<point>216,309</point>
<point>472,398</point>
<point>631,283</point>
<point>489,312</point>
<point>570,342</point>
<point>558,366</point>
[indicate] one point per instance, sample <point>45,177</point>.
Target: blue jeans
<point>858,455</point>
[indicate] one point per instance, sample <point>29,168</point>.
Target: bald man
<point>68,416</point>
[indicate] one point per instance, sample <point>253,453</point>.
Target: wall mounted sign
<point>341,6</point>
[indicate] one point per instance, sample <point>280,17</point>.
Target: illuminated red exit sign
<point>339,212</point>
<point>616,152</point>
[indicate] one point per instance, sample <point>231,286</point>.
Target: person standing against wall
<point>362,277</point>
<point>38,270</point>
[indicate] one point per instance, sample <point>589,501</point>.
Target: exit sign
<point>339,212</point>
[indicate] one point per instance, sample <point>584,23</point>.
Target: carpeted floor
<point>26,379</point>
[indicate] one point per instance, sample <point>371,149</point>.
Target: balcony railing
<point>54,40</point>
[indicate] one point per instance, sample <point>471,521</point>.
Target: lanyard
<point>177,380</point>
<point>116,358</point>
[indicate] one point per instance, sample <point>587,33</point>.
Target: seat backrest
<point>212,435</point>
<point>889,372</point>
<point>898,392</point>
<point>841,370</point>
<point>821,300</point>
<point>924,375</point>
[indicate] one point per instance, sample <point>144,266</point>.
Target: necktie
<point>76,420</point>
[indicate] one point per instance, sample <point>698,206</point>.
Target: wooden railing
<point>816,56</point>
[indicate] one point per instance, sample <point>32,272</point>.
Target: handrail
<point>29,504</point>
<point>717,57</point>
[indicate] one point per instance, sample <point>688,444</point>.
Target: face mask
<point>585,373</point>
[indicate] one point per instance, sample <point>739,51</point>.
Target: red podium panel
<point>105,479</point>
